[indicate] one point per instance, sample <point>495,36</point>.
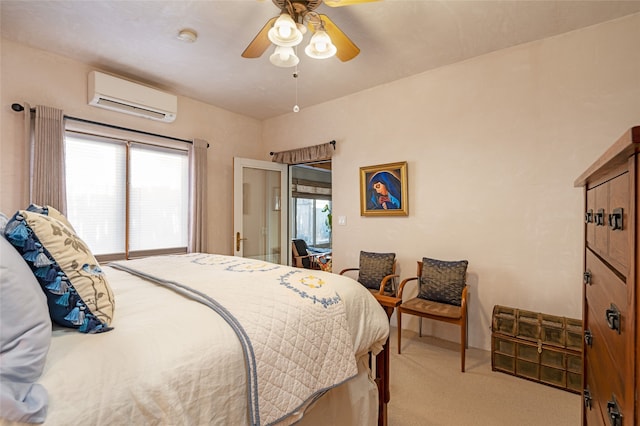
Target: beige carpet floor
<point>428,389</point>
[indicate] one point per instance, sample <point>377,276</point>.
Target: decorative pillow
<point>50,211</point>
<point>78,293</point>
<point>443,281</point>
<point>325,263</point>
<point>3,222</point>
<point>25,335</point>
<point>374,267</point>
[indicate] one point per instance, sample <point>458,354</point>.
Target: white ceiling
<point>397,38</point>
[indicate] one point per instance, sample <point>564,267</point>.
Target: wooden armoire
<point>611,322</point>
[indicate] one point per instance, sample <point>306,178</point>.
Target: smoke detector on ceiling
<point>190,36</point>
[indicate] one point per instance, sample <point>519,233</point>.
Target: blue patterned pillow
<point>78,294</point>
<point>443,281</point>
<point>374,267</point>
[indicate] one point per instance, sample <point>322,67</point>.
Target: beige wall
<point>493,147</point>
<point>41,78</point>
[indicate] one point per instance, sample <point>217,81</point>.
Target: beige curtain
<point>28,138</point>
<point>198,196</point>
<point>47,168</point>
<point>305,155</point>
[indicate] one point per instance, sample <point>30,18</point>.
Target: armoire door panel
<point>619,238</point>
<point>592,409</point>
<point>601,231</point>
<point>590,225</point>
<point>606,362</point>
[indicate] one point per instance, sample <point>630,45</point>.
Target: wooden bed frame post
<point>382,361</point>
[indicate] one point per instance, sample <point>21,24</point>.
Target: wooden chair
<point>442,296</point>
<point>302,258</point>
<point>377,272</point>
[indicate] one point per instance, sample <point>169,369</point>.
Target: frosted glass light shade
<point>284,57</point>
<point>320,46</point>
<point>284,32</point>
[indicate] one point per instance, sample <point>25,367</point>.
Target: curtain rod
<point>18,108</point>
<point>331,142</point>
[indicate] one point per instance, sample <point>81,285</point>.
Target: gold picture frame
<point>383,190</point>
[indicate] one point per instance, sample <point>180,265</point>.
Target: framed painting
<point>383,190</point>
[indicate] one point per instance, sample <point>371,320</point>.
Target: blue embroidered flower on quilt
<point>294,281</point>
<point>209,259</point>
<point>235,264</point>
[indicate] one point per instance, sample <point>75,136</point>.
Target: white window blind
<point>158,197</point>
<point>116,220</point>
<point>96,191</point>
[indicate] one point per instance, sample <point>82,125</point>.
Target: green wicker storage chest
<point>538,347</point>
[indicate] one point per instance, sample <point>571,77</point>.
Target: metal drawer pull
<point>587,398</point>
<point>599,217</point>
<point>613,318</point>
<point>586,277</point>
<point>615,219</point>
<point>588,216</point>
<point>588,337</point>
<point>613,411</point>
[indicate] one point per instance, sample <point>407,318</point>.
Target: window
<point>126,198</point>
<point>311,205</point>
<point>312,221</point>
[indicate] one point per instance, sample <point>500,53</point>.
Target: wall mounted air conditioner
<point>116,94</point>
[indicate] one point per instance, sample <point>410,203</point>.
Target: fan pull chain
<point>296,108</point>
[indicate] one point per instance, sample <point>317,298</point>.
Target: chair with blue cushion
<point>442,296</point>
<point>377,272</point>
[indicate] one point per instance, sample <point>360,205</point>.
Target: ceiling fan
<point>286,31</point>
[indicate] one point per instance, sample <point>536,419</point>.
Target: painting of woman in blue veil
<point>383,190</point>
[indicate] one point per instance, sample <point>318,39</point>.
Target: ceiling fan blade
<point>347,49</point>
<point>338,3</point>
<point>260,42</point>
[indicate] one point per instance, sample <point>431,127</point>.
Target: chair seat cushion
<point>443,281</point>
<point>433,308</point>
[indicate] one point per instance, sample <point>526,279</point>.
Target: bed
<point>201,339</point>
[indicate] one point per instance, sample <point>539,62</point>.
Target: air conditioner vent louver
<point>119,106</point>
<point>116,94</point>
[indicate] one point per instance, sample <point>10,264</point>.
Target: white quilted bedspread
<point>172,361</point>
<point>292,326</point>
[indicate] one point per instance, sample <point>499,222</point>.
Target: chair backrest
<point>442,281</point>
<point>299,248</point>
<point>374,267</point>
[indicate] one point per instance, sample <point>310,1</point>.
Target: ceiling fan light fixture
<point>284,32</point>
<point>320,46</point>
<point>284,57</point>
